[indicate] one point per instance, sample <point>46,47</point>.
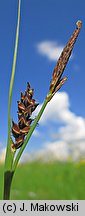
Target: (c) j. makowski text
<point>45,207</point>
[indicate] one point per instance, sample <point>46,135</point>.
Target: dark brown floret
<point>26,106</point>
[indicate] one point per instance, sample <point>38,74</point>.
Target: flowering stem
<point>9,153</point>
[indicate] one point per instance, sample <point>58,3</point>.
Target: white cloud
<point>58,109</point>
<point>2,155</point>
<point>69,138</point>
<point>57,150</point>
<point>62,151</point>
<point>74,130</point>
<point>50,49</point>
<point>50,151</point>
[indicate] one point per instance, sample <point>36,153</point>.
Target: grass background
<point>55,180</point>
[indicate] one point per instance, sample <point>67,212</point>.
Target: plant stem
<point>9,153</point>
<point>7,184</point>
<point>29,135</point>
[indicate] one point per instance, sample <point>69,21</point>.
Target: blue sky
<point>44,24</point>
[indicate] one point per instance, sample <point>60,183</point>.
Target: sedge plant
<point>25,127</point>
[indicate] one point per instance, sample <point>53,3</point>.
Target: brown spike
<point>23,122</point>
<point>15,130</point>
<point>21,106</point>
<point>34,107</point>
<point>29,93</point>
<point>30,101</point>
<point>26,101</point>
<point>19,142</point>
<point>25,130</point>
<point>30,121</point>
<point>28,86</point>
<point>64,57</point>
<point>19,115</point>
<point>25,108</point>
<point>22,97</point>
<point>61,82</point>
<point>27,111</point>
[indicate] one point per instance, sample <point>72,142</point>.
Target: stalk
<point>8,174</point>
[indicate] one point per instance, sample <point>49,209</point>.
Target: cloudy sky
<point>45,28</point>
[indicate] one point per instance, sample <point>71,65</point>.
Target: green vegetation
<point>39,180</point>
